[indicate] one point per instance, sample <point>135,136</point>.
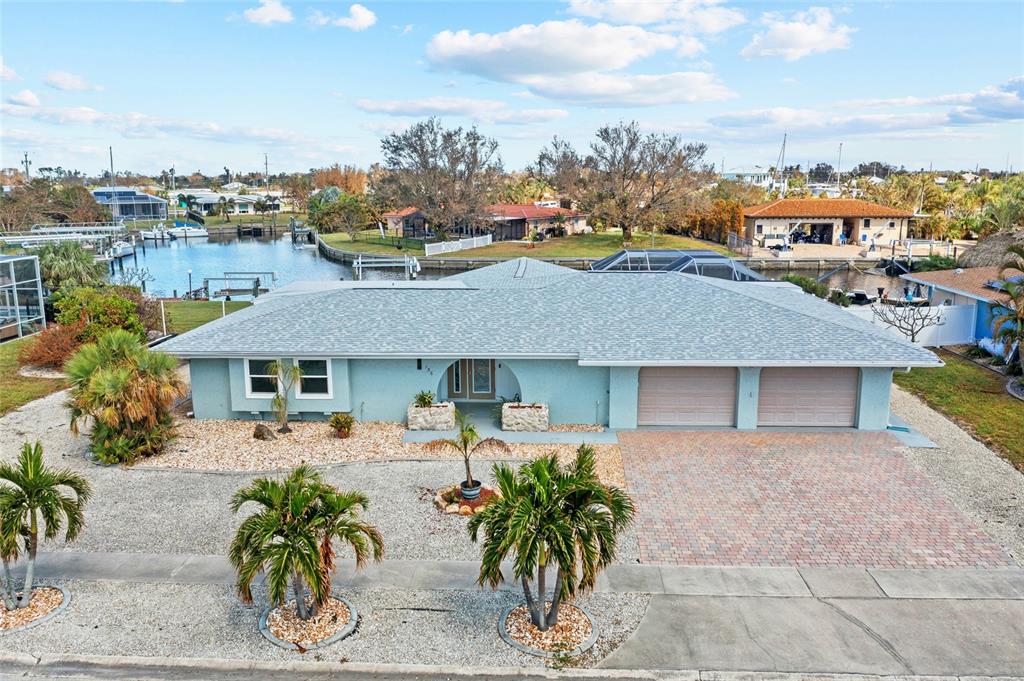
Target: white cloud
<point>484,110</point>
<point>359,18</point>
<point>622,89</point>
<point>807,32</point>
<point>62,80</point>
<point>549,48</point>
<point>687,16</point>
<point>268,13</point>
<point>24,98</point>
<point>6,72</point>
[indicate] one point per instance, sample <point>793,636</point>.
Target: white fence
<point>956,325</point>
<point>461,244</point>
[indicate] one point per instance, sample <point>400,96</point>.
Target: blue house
<point>966,286</point>
<point>620,349</point>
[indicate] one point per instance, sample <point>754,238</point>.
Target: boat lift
<point>237,284</point>
<point>409,263</point>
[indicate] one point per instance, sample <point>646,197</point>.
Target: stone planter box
<point>519,416</point>
<point>435,417</point>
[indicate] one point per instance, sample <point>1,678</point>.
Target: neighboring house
<point>827,220</point>
<point>763,179</point>
<point>21,297</point>
<point>515,221</point>
<point>619,349</point>
<point>409,222</point>
<point>244,204</point>
<point>131,203</point>
<point>966,286</point>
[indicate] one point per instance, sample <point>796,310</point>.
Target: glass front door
<point>471,379</point>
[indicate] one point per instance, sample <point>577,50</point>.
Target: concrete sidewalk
<point>1004,584</point>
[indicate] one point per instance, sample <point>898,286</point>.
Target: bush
<point>342,423</point>
<point>808,284</point>
<point>934,262</point>
<point>52,347</point>
<point>839,298</point>
<point>98,311</point>
<point>424,398</point>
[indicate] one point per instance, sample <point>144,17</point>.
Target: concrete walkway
<point>963,622</point>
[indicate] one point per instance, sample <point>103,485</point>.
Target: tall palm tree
<point>467,442</point>
<point>225,207</point>
<point>33,498</point>
<point>127,391</point>
<point>68,264</point>
<point>1008,327</point>
<point>290,538</point>
<point>551,514</point>
<point>1001,215</point>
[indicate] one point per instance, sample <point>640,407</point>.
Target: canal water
<point>167,265</point>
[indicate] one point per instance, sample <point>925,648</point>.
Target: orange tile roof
<point>404,212</point>
<point>528,211</point>
<point>824,208</point>
<point>968,280</point>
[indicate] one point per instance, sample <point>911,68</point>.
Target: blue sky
<point>202,85</point>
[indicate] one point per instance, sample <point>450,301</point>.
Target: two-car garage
<point>787,396</point>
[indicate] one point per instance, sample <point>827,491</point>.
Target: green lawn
<point>975,398</point>
<point>17,389</point>
<point>596,245</point>
<point>185,315</point>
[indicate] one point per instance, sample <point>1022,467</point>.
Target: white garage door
<point>687,396</point>
<point>807,397</point>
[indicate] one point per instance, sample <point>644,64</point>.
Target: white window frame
<point>329,395</point>
<point>248,383</point>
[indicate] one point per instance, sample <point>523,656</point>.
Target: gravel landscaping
<point>982,485</point>
<point>414,627</point>
<point>179,511</point>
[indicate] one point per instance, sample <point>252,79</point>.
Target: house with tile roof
<point>827,221</point>
<point>618,349</point>
<point>508,221</point>
<point>977,286</point>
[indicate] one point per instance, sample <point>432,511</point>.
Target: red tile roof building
<point>827,221</point>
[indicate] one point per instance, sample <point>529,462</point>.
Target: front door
<point>471,379</point>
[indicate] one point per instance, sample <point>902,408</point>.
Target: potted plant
<point>342,424</point>
<point>423,399</point>
<point>467,442</point>
<point>551,514</point>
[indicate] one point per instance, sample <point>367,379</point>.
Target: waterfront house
<point>409,222</point>
<point>507,222</point>
<point>620,349</point>
<point>828,221</point>
<point>131,203</point>
<point>975,286</point>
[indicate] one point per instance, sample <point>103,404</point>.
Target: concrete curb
<point>578,650</point>
<point>65,602</point>
<point>344,632</point>
<point>22,663</point>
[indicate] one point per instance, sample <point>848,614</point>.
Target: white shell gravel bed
<point>415,627</point>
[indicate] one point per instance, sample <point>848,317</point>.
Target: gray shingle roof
<point>602,318</point>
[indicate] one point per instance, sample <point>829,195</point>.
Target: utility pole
<point>113,186</point>
<point>839,171</point>
<point>266,173</point>
<point>27,163</point>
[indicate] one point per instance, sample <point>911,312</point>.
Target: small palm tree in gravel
<point>551,514</point>
<point>467,442</point>
<point>34,499</point>
<point>291,537</point>
<point>288,376</point>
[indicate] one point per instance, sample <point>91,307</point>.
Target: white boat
<point>157,232</point>
<point>187,232</point>
<point>120,249</point>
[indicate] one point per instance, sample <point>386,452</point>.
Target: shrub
<point>934,262</point>
<point>342,423</point>
<point>808,284</point>
<point>127,392</point>
<point>52,347</point>
<point>99,310</point>
<point>839,298</point>
<point>424,398</point>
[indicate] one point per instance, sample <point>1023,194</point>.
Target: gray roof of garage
<point>524,308</point>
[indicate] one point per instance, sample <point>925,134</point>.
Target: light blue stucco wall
<point>873,398</point>
<point>623,394</point>
<point>574,394</point>
<point>383,388</point>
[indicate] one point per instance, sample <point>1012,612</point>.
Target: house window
<point>867,222</point>
<point>760,229</point>
<point>892,224</point>
<point>481,376</point>
<point>316,379</point>
<point>457,378</point>
<point>260,381</point>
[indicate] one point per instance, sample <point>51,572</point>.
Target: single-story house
<point>830,221</point>
<point>508,221</point>
<point>409,222</point>
<point>244,204</point>
<point>966,286</point>
<point>132,203</point>
<point>620,349</point>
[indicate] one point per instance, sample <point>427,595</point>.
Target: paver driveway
<point>802,499</point>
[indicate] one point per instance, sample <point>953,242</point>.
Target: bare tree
<point>449,174</point>
<point>562,167</point>
<point>909,320</point>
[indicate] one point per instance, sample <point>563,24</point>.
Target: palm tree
<point>288,376</point>
<point>225,206</point>
<point>466,443</point>
<point>1008,327</point>
<point>1014,259</point>
<point>188,201</point>
<point>551,514</point>
<point>127,391</point>
<point>290,538</point>
<point>33,499</point>
<point>1001,215</point>
<point>67,264</point>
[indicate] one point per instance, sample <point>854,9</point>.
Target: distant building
<point>826,221</point>
<point>208,202</point>
<point>131,203</point>
<point>21,297</point>
<point>509,221</point>
<point>763,179</point>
